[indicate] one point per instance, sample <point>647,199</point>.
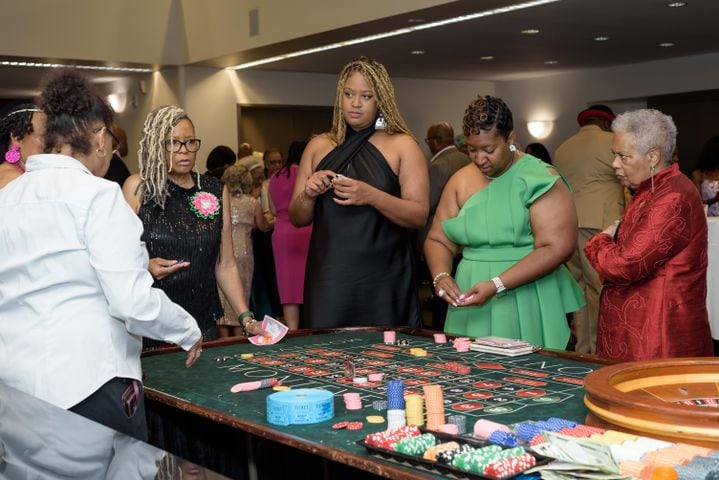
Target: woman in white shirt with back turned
<point>75,294</point>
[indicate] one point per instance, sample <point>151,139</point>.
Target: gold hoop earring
<point>101,152</point>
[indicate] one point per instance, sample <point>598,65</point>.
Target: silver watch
<point>501,289</point>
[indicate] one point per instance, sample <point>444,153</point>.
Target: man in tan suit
<point>585,160</point>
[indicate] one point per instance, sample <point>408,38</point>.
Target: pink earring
<point>13,155</point>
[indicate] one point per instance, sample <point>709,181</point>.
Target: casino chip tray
<point>416,461</point>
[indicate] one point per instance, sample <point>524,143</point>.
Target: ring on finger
<point>441,293</point>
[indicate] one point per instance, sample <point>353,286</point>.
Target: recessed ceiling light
<point>417,52</point>
<point>551,62</point>
<point>415,20</point>
<point>8,63</point>
<point>666,44</point>
<point>487,57</point>
<point>400,31</point>
<point>530,31</point>
<point>601,39</point>
<point>676,4</point>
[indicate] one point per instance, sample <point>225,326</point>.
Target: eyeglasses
<point>428,139</point>
<point>192,145</point>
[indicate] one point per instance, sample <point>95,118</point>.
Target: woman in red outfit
<point>653,264</point>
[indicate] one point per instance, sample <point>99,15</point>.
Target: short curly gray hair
<point>649,129</point>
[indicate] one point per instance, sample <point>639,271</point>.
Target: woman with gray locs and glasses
<point>187,225</point>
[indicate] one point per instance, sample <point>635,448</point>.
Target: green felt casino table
<point>196,405</point>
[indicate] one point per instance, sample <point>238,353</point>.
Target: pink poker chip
<point>375,377</point>
<point>440,338</point>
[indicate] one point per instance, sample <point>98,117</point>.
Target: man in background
<point>446,160</point>
<point>585,159</point>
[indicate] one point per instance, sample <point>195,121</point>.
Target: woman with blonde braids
<point>363,186</point>
<point>187,224</point>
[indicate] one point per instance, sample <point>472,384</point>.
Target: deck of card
<point>276,331</point>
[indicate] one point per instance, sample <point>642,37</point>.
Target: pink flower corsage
<point>205,205</point>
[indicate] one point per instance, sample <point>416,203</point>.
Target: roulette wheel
<point>674,399</point>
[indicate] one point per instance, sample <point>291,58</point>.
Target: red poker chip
<point>340,425</point>
<point>354,426</point>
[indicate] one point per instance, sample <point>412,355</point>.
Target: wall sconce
<point>118,101</point>
<point>540,128</point>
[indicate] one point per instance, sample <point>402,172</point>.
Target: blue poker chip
<point>505,439</point>
<point>527,431</point>
<point>395,395</point>
<point>560,423</point>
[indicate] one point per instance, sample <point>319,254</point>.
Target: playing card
<point>276,330</point>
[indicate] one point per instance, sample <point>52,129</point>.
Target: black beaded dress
<point>360,269</point>
<point>177,233</point>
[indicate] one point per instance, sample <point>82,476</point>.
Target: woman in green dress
<point>512,218</point>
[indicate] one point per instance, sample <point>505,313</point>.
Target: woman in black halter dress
<point>363,186</point>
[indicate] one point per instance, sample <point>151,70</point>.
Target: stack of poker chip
<point>432,452</point>
<point>434,402</point>
<point>395,404</point>
<point>477,461</point>
<point>484,428</point>
<point>446,457</point>
<point>352,401</point>
<point>460,421</point>
<point>448,428</point>
<point>505,439</point>
<point>511,466</point>
<point>462,344</point>
<point>440,338</point>
<point>415,445</point>
<point>414,409</point>
<point>386,439</point>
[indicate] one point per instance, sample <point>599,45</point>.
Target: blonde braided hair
<point>153,170</point>
<point>376,75</point>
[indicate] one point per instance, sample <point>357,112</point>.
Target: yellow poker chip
<point>280,388</point>
<point>375,419</point>
<point>246,355</point>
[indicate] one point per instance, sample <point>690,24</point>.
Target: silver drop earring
<point>651,171</point>
<point>380,123</point>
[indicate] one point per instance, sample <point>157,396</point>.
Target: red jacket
<point>653,304</point>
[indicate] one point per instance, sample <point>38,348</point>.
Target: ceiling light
<point>676,4</point>
<point>415,20</point>
<point>601,39</point>
<point>487,57</point>
<point>530,31</point>
<point>666,44</point>
<point>400,31</point>
<point>417,52</point>
<point>551,62</point>
<point>7,63</point>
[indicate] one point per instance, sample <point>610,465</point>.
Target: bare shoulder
<point>318,147</point>
<point>131,191</point>
<point>396,141</point>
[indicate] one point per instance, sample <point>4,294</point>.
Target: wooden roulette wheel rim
<point>676,398</point>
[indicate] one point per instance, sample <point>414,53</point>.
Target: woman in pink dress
<point>289,244</point>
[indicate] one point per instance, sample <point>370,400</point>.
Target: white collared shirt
<point>75,293</point>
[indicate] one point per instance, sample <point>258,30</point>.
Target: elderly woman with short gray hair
<point>653,263</point>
